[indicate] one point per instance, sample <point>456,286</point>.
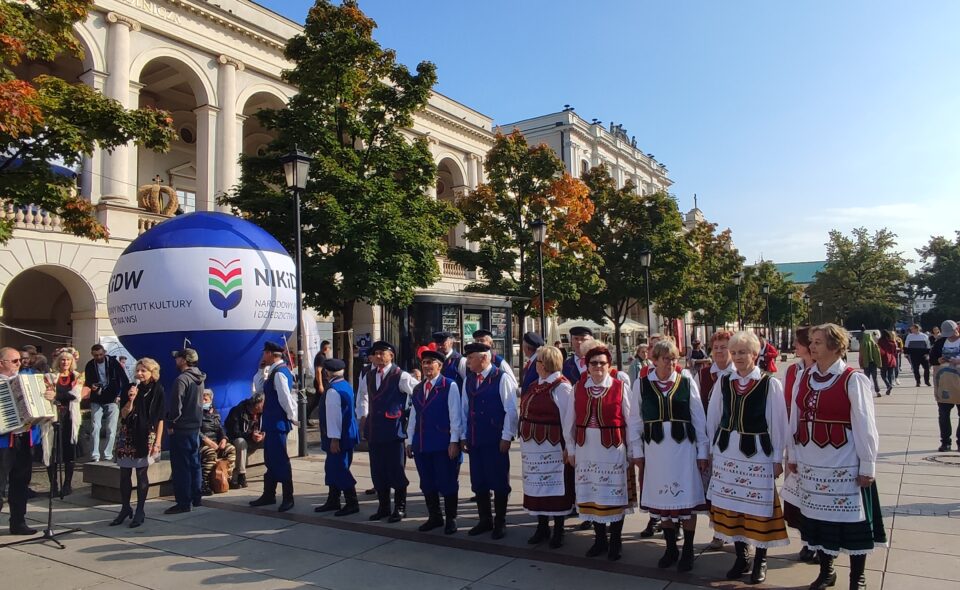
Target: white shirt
<point>258,379</point>
<point>697,416</point>
<point>776,411</point>
<point>407,383</point>
<point>284,395</point>
<point>866,438</point>
<point>916,342</point>
<point>508,395</point>
<point>331,402</point>
<point>453,411</point>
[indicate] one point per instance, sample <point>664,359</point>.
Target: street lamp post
<point>540,236</point>
<point>790,329</point>
<point>737,279</point>
<point>820,313</point>
<point>296,169</point>
<point>645,259</point>
<point>765,289</point>
<point>806,306</point>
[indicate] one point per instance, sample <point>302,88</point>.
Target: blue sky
<point>787,119</point>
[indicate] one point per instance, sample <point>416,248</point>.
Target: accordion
<point>22,403</point>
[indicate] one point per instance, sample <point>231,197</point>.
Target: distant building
<point>801,273</point>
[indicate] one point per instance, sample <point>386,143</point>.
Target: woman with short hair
<point>141,431</point>
<point>672,454</point>
<point>833,452</point>
<point>546,431</point>
<point>747,424</point>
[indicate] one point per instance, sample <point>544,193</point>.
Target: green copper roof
<point>801,273</point>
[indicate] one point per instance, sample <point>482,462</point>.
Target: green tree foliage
<point>713,293</point>
<point>863,272</point>
<point>526,183</point>
<point>940,270</point>
<point>370,232</point>
<point>47,119</point>
<point>782,291</point>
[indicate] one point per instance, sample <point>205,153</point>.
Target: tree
<point>623,224</point>
<point>712,290</point>
<point>47,119</point>
<point>940,270</point>
<point>526,184</point>
<point>370,233</point>
<point>862,272</point>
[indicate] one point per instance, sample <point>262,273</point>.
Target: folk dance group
<point>587,437</point>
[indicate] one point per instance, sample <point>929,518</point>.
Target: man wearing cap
<point>339,434</point>
<point>278,419</point>
<point>433,440</point>
<point>489,407</point>
<point>946,351</point>
<point>530,343</point>
<point>383,399</point>
<point>183,419</point>
<point>453,361</point>
<point>486,337</point>
<point>575,365</point>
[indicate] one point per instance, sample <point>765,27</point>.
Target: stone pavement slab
<point>355,574</point>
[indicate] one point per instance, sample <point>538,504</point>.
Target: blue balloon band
<point>206,229</point>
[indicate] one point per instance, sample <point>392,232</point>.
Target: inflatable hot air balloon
<point>219,283</point>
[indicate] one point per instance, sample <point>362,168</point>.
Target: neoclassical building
<point>212,66</point>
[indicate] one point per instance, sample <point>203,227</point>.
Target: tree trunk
<point>346,338</point>
<point>616,338</point>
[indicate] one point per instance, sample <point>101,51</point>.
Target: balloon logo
<point>226,284</point>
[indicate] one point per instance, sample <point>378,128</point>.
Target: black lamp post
<point>790,329</point>
<point>737,279</point>
<point>820,305</point>
<point>296,168</point>
<point>540,236</point>
<point>806,306</point>
<point>645,259</point>
<point>765,289</point>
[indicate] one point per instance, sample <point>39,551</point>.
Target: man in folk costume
<point>546,431</point>
<point>673,453</point>
<point>496,359</point>
<point>707,377</point>
<point>605,430</point>
<point>833,454</point>
<point>433,441</point>
<point>339,434</point>
<point>530,343</point>
<point>747,422</point>
<point>277,420</point>
<point>576,365</point>
<point>383,399</point>
<point>453,361</point>
<point>489,408</point>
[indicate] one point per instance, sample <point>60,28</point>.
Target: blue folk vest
<point>486,414</point>
<point>348,419</point>
<point>451,367</point>
<point>385,418</point>
<point>530,376</point>
<point>570,370</point>
<point>274,416</point>
<point>432,433</point>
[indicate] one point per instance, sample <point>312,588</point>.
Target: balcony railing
<point>451,269</point>
<point>32,217</point>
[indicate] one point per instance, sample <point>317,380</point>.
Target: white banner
<point>201,289</point>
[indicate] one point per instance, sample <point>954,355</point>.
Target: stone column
<point>227,168</point>
<point>472,171</point>
<point>116,183</point>
<point>91,171</point>
<point>206,146</point>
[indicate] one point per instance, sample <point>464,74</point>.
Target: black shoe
<point>450,508</point>
<point>177,509</point>
<point>125,513</point>
<point>808,556</point>
<point>66,490</point>
<point>285,505</point>
<point>21,529</point>
<point>197,503</point>
<point>434,515</point>
<point>500,516</point>
<point>484,526</point>
<point>264,500</point>
<point>370,492</point>
<point>586,525</point>
<point>485,513</point>
<point>686,555</point>
<point>742,564</point>
<point>351,504</point>
<point>399,506</point>
<point>944,448</point>
<point>333,501</point>
<point>653,525</point>
<point>828,575</point>
<point>671,554</point>
<point>138,518</point>
<point>858,565</point>
<point>205,491</point>
<point>600,544</point>
<point>616,544</point>
<point>556,540</point>
<point>759,573</point>
<point>383,507</point>
<point>242,480</point>
<point>31,494</point>
<point>542,533</point>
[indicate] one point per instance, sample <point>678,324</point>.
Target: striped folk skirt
<point>755,530</point>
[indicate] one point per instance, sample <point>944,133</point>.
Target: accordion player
<point>23,405</point>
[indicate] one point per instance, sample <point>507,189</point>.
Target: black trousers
<point>945,426</point>
<point>917,360</point>
<point>21,472</point>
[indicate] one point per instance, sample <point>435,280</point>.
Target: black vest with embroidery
<point>672,406</point>
<point>747,414</point>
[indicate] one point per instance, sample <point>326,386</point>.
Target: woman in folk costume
<point>673,452</point>
<point>707,377</point>
<point>747,422</point>
<point>604,430</point>
<point>546,429</point>
<point>833,452</point>
<point>64,388</point>
<point>433,441</point>
<point>801,346</point>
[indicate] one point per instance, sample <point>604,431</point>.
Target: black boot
<point>556,540</point>
<point>434,516</point>
<point>399,505</point>
<point>269,495</point>
<point>653,525</point>
<point>333,501</point>
<point>542,533</point>
<point>287,502</point>
<point>858,565</point>
<point>485,514</point>
<point>828,575</point>
<point>241,480</point>
<point>759,573</point>
<point>600,544</point>
<point>613,553</point>
<point>686,556</point>
<point>500,515</point>
<point>67,488</point>
<point>808,556</point>
<point>742,563</point>
<point>450,508</point>
<point>672,554</point>
<point>383,508</point>
<point>126,489</point>
<point>143,487</point>
<point>351,505</point>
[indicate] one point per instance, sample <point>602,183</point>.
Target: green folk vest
<point>672,406</point>
<point>747,414</point>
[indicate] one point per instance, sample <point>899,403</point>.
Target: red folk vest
<point>608,410</point>
<point>824,416</point>
<point>539,415</point>
<point>707,380</point>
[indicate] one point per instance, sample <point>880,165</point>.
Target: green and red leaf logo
<point>226,284</point>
